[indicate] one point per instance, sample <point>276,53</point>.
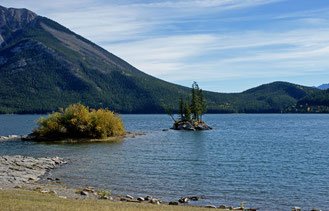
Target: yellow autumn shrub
<point>78,121</point>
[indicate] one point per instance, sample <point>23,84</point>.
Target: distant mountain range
<point>323,86</point>
<point>44,65</point>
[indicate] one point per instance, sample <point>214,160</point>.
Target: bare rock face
<point>12,20</point>
<point>15,19</point>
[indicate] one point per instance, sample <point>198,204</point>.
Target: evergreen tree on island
<point>191,111</point>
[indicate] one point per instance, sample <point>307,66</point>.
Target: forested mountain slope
<point>44,65</point>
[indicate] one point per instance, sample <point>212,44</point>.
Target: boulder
<point>173,203</point>
<point>147,198</point>
<point>108,198</point>
<point>194,198</point>
<point>84,193</point>
<point>89,189</point>
<point>155,201</point>
<point>184,200</point>
<point>202,126</point>
<point>140,199</point>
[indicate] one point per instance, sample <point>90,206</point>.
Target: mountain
<point>44,65</point>
<point>315,102</point>
<point>323,86</point>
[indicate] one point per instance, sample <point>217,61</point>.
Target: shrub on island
<point>78,121</point>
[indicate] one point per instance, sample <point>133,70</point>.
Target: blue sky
<point>224,45</point>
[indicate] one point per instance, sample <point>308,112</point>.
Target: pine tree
<point>187,110</point>
<point>195,103</point>
<point>181,108</point>
<point>203,103</point>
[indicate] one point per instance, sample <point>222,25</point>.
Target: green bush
<point>78,121</point>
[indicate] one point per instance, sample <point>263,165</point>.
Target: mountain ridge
<point>44,65</point>
<point>323,86</point>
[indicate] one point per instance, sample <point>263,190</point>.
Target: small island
<point>191,111</point>
<point>79,123</point>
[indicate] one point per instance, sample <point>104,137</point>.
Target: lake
<point>270,161</point>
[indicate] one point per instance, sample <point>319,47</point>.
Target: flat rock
<point>210,206</point>
<point>17,169</point>
<point>10,138</point>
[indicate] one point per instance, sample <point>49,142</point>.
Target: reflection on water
<point>270,161</point>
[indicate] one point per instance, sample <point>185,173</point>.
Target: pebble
<point>45,191</point>
<point>108,198</point>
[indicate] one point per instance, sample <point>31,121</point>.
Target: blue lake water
<point>270,161</point>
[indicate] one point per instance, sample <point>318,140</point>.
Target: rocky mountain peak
<point>15,19</point>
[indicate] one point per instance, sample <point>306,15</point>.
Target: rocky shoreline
<point>10,138</point>
<point>22,172</point>
<point>31,137</point>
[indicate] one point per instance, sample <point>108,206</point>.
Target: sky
<point>224,45</point>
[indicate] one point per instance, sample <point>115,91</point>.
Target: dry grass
<point>28,200</point>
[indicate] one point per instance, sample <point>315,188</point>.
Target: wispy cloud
<point>128,20</point>
<point>178,58</point>
<point>206,40</point>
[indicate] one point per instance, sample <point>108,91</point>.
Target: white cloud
<point>161,56</point>
<point>177,58</point>
<point>126,20</point>
<point>154,36</point>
